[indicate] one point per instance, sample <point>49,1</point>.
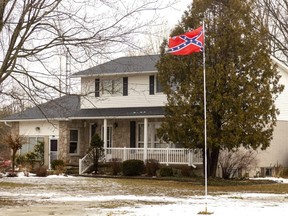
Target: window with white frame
<point>153,139</point>
<point>154,85</point>
<point>109,135</point>
<point>112,86</point>
<point>74,141</point>
<point>30,145</point>
<point>159,88</point>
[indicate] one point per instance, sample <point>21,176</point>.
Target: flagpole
<point>205,119</point>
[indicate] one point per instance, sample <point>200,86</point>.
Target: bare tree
<point>15,143</point>
<point>275,14</point>
<point>236,160</point>
<point>34,32</point>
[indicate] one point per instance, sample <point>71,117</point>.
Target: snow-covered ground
<point>60,195</point>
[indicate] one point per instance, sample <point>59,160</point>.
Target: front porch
<point>166,156</point>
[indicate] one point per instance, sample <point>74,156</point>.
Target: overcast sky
<point>174,14</point>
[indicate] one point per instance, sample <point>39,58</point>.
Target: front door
<point>53,150</point>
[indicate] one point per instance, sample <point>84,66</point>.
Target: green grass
<point>14,185</point>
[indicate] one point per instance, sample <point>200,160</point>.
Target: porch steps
<point>72,170</point>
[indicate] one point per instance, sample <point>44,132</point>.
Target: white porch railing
<point>163,155</point>
<point>86,162</point>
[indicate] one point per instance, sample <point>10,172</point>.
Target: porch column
<point>105,137</point>
<point>145,138</point>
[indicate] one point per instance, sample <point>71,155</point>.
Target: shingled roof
<point>68,107</point>
<point>131,64</point>
<point>60,108</point>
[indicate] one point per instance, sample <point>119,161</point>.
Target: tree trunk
<point>13,161</point>
<point>212,161</point>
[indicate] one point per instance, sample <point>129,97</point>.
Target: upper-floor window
<point>116,87</point>
<point>154,85</point>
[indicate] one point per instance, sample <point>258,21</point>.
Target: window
<point>140,135</point>
<point>268,172</point>
<point>73,143</point>
<point>159,87</point>
<point>154,85</point>
<point>97,87</point>
<point>29,146</point>
<point>125,86</point>
<point>115,87</point>
<point>109,135</point>
<point>112,87</point>
<point>151,85</point>
<point>153,140</point>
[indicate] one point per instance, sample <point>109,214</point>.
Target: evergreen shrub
<point>166,171</point>
<point>133,167</point>
<point>57,163</point>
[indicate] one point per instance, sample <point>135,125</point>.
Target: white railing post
<point>167,155</point>
<point>145,139</point>
<point>125,154</point>
<point>105,138</point>
<point>80,167</point>
<point>190,159</point>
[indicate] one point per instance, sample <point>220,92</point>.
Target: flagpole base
<point>205,212</point>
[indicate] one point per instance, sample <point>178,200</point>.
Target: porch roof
<point>127,112</point>
<point>68,107</point>
<point>60,108</point>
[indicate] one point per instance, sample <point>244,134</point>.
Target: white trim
<point>28,120</point>
<point>145,138</point>
<point>105,134</point>
<point>113,74</point>
<point>49,151</point>
<point>280,64</point>
<point>117,117</point>
<point>111,134</point>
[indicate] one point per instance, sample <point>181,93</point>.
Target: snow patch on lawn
<point>278,180</point>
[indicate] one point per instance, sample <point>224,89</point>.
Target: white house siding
<point>138,95</point>
<point>45,128</point>
<point>282,100</point>
<point>277,153</point>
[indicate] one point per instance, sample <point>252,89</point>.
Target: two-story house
<point>123,102</point>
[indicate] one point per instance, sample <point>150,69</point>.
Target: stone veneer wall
<point>63,141</point>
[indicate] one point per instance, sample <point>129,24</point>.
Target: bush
<point>57,163</point>
<point>186,171</point>
<point>152,166</point>
<point>116,166</point>
<point>166,171</point>
<point>133,167</point>
<point>284,173</point>
<point>41,171</point>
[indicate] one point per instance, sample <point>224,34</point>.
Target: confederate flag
<point>187,43</point>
